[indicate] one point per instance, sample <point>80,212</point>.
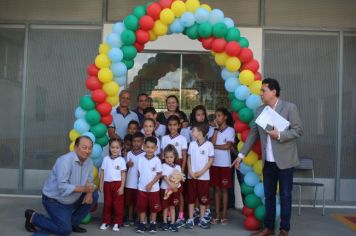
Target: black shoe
<point>78,229</point>
<point>28,225</point>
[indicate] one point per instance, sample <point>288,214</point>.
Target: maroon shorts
<point>198,189</point>
<point>173,199</point>
<point>130,196</point>
<point>220,177</point>
<point>148,199</point>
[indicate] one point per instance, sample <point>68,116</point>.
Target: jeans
<point>61,217</point>
<point>271,176</point>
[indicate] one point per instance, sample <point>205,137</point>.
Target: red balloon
<point>258,76</point>
<point>142,36</point>
<point>235,116</point>
<point>92,70</point>
<point>232,48</point>
<point>245,55</point>
<point>240,126</point>
<point>207,42</point>
<point>252,65</point>
<point>218,45</point>
<point>94,207</point>
<point>248,211</point>
<point>251,223</point>
<point>104,108</point>
<point>165,3</point>
<point>139,46</point>
<point>146,23</point>
<point>153,10</point>
<point>107,120</point>
<point>257,147</point>
<point>244,134</point>
<point>98,96</point>
<point>93,83</point>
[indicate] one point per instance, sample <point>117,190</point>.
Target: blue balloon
<point>225,74</point>
<point>81,126</point>
<point>244,169</point>
<point>118,28</point>
<point>242,92</point>
<point>216,16</point>
<point>90,135</point>
<point>251,179</point>
<point>96,152</point>
<point>187,19</point>
<point>114,40</point>
<point>97,162</point>
<point>259,190</point>
<point>253,101</point>
<point>79,113</point>
<point>201,15</point>
<point>121,80</point>
<point>231,84</point>
<point>176,27</point>
<point>119,69</point>
<point>278,210</point>
<point>115,55</point>
<point>229,22</point>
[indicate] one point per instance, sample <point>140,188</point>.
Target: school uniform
<point>178,141</point>
<point>131,183</point>
<point>173,199</point>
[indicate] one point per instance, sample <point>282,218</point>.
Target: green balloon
<point>139,11</point>
<point>245,189</point>
<point>246,115</point>
<point>205,29</point>
<point>251,124</point>
<point>219,30</point>
<point>231,96</point>
<point>128,37</point>
<point>252,201</point>
<point>192,31</point>
<point>98,130</point>
<point>237,105</point>
<point>131,22</point>
<point>244,42</point>
<point>260,212</point>
<point>86,219</point>
<point>129,63</point>
<point>102,141</point>
<point>129,52</point>
<point>87,103</point>
<point>233,34</point>
<point>92,117</point>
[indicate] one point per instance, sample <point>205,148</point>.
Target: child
<point>220,172</point>
<point>149,131</point>
<point>112,182</point>
<point>132,177</point>
<point>180,143</point>
<point>170,154</point>
<point>160,130</point>
<point>148,195</point>
<point>127,145</point>
<point>133,127</point>
<point>200,158</point>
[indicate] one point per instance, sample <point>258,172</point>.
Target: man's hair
<point>124,91</point>
<point>272,85</point>
<point>151,139</point>
<point>128,137</point>
<point>77,140</point>
<point>133,122</point>
<point>202,127</point>
<point>149,110</point>
<point>142,94</point>
<point>138,135</point>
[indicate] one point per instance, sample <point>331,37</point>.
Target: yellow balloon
<point>277,187</point>
<point>192,5</point>
<point>178,8</point>
<point>257,167</point>
<point>105,75</point>
<point>71,147</point>
<point>102,61</point>
<point>166,16</point>
<point>206,6</point>
<point>159,28</point>
<point>261,178</point>
<point>153,37</point>
<point>240,145</point>
<point>233,64</point>
<point>251,158</point>
<point>111,88</point>
<point>73,135</point>
<point>104,48</point>
<point>220,58</point>
<point>96,181</point>
<point>112,100</point>
<point>246,77</point>
<point>255,87</point>
<point>95,172</point>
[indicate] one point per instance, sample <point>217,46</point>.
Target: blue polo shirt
<point>121,121</point>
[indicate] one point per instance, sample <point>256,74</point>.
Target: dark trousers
<point>271,176</point>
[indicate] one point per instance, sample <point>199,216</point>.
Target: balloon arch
<point>218,34</point>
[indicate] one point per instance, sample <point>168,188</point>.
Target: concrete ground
<point>310,223</point>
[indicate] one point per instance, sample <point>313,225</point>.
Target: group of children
<point>137,172</point>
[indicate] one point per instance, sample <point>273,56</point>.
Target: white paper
<point>270,117</point>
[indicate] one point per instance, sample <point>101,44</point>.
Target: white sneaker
<point>116,228</point>
<point>104,226</point>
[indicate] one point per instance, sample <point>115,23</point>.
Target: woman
<point>172,109</point>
